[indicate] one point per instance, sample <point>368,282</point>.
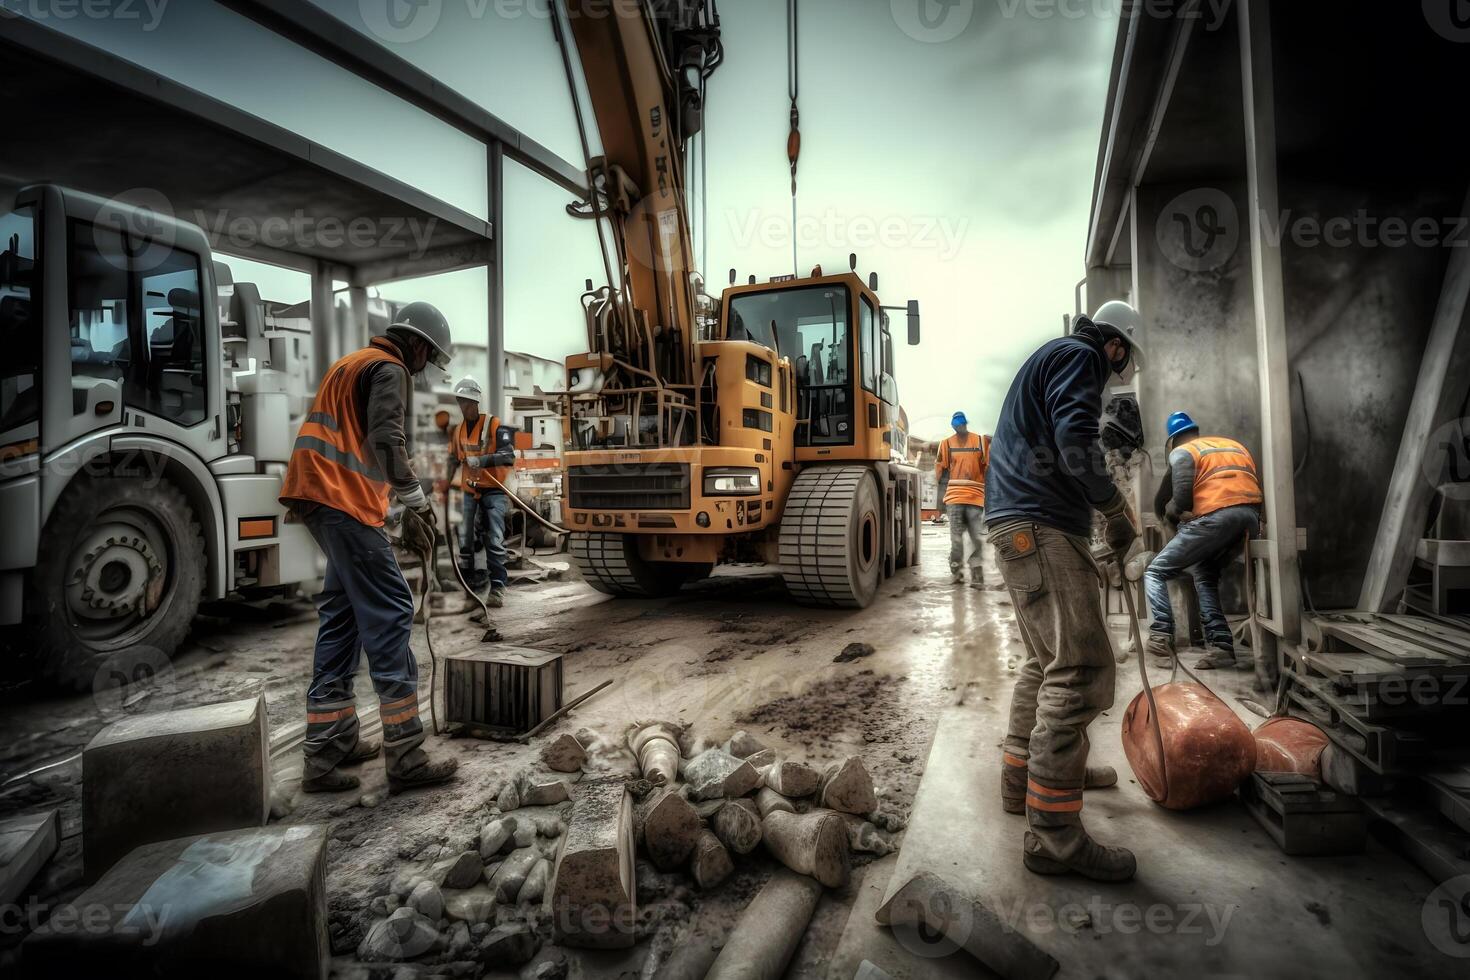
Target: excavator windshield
<point>811,325</point>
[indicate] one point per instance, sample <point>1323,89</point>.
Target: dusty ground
<point>728,654</point>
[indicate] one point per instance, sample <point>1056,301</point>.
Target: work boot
<point>365,750</point>
<point>431,773</point>
<point>1219,658</point>
<point>330,781</point>
<point>956,575</point>
<point>1084,856</point>
<point>1013,782</point>
<point>495,598</point>
<point>1160,646</point>
<point>977,578</point>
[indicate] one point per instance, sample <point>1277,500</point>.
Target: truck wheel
<point>122,566</point>
<point>831,539</point>
<point>610,563</point>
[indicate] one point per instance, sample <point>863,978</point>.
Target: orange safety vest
<point>477,440</point>
<point>330,463</point>
<point>967,460</point>
<point>1224,474</point>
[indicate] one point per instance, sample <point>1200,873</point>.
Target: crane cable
<point>793,141</point>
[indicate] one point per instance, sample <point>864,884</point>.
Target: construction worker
<point>1045,479</point>
<point>482,475</point>
<point>1215,504</point>
<point>351,452</point>
<point>960,470</point>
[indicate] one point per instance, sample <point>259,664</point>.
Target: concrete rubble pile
<point>560,856</point>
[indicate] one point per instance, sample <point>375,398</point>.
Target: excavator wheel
<point>831,537</point>
<point>610,563</point>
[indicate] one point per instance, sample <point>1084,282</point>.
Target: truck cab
<point>126,489</point>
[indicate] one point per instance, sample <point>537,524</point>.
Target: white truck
<point>144,434</point>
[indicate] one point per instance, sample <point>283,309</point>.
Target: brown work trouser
<point>1067,679</point>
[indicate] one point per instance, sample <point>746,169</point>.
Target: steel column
<point>495,284</point>
<point>1271,350</point>
<point>324,341</point>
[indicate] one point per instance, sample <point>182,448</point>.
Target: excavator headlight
<point>732,482</point>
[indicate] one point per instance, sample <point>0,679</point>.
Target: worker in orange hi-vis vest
<point>960,469</point>
<point>1215,502</point>
<point>484,469</point>
<point>350,454</point>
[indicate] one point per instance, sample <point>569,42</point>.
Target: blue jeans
<point>1203,548</point>
<point>365,606</point>
<point>482,521</point>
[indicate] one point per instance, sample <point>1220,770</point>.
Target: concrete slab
<point>592,898</point>
<point>1212,889</point>
<point>241,903</point>
<point>26,844</point>
<point>173,774</point>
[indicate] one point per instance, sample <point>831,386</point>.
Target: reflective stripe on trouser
<point>965,521</point>
<point>403,734</point>
<point>365,607</point>
<point>1067,679</point>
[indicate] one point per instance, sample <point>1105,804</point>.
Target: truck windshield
<point>808,324</point>
<point>20,328</point>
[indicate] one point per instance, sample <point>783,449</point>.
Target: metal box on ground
<point>501,690</point>
<point>1303,816</point>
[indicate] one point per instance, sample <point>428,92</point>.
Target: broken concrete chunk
<point>473,905</point>
<point>930,901</point>
<point>592,895</point>
<point>525,834</point>
<point>512,873</point>
<point>668,828</point>
<point>26,844</point>
<point>496,836</point>
<point>465,871</point>
<point>512,944</point>
<point>509,798</point>
<point>888,820</point>
<point>742,745</point>
<point>863,836</point>
<point>793,779</point>
<point>255,899</point>
<point>563,754</point>
<point>656,746</point>
<point>738,825</point>
<point>404,935</point>
<point>810,843</point>
<point>157,777</point>
<point>427,900</point>
<point>549,827</point>
<point>716,774</point>
<point>548,793</point>
<point>762,759</point>
<point>847,787</point>
<point>710,863</point>
<point>769,801</point>
<point>854,651</point>
<point>535,887</point>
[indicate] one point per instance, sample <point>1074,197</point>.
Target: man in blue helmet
<point>1046,478</point>
<point>960,469</point>
<point>1215,503</point>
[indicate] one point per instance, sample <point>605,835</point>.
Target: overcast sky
<point>953,151</point>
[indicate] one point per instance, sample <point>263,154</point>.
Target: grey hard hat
<point>427,322</point>
<point>1116,318</point>
<point>469,389</point>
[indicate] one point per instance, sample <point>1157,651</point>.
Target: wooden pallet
<point>1303,816</point>
<point>1382,748</point>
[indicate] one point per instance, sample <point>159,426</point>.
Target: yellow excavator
<point>762,426</point>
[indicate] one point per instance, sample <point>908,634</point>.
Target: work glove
<point>1122,528</point>
<point>419,531</point>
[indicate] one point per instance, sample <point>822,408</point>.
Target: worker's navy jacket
<point>1045,462</point>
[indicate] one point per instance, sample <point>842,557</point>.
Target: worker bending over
<point>1215,504</point>
<point>1046,477</point>
<point>960,470</point>
<point>483,473</point>
<point>352,450</point>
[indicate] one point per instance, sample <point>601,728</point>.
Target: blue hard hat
<point>1180,422</point>
<point>959,419</point>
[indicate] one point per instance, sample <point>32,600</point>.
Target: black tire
<point>831,543</point>
<point>70,645</point>
<point>610,563</point>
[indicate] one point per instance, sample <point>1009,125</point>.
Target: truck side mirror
<point>913,323</point>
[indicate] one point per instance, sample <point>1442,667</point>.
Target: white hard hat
<point>1127,322</point>
<point>468,388</point>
